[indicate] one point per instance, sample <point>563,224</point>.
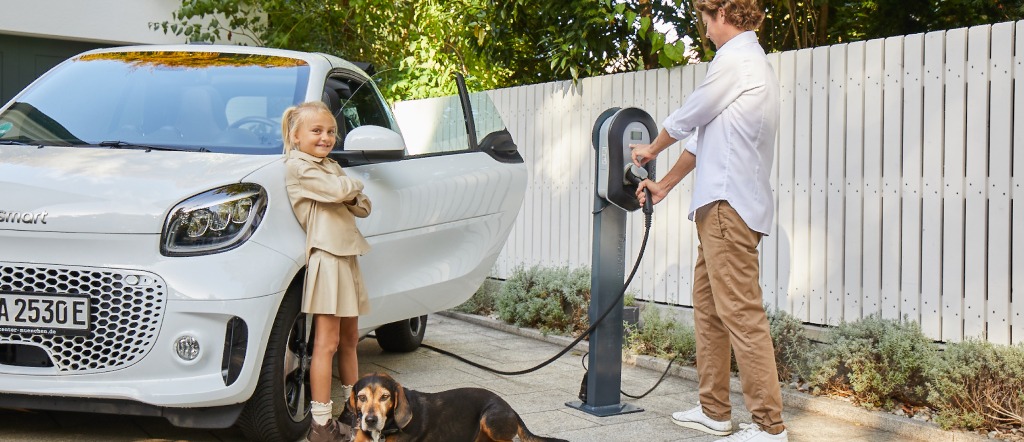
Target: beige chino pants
<point>728,312</point>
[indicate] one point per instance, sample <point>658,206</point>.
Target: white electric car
<point>150,263</point>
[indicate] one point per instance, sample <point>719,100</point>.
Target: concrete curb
<point>832,408</point>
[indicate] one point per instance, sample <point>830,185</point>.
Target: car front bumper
<point>142,303</point>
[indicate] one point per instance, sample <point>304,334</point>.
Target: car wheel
<point>279,408</point>
<point>402,336</point>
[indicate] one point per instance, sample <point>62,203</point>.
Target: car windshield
<point>229,103</point>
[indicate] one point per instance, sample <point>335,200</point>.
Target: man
<point>734,114</point>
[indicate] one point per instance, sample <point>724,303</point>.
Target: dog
<point>387,411</point>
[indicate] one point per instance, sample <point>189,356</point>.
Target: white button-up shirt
<point>736,114</point>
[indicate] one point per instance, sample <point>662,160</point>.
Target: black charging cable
<point>648,210</point>
<point>583,362</point>
<point>588,331</point>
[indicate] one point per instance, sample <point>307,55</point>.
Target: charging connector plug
<point>635,175</point>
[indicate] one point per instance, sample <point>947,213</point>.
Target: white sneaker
<point>753,433</point>
<point>697,420</point>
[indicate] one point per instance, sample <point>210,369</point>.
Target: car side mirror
<point>369,143</point>
<point>371,138</point>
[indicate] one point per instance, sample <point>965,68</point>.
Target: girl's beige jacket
<point>326,202</point>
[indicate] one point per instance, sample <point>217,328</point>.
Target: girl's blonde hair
<point>744,14</point>
<point>295,115</point>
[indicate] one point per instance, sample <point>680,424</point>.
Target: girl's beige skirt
<point>334,286</point>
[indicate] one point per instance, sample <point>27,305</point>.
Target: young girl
<point>326,202</point>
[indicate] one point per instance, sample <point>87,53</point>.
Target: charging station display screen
<point>636,135</point>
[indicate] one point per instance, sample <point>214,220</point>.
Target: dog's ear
<point>403,412</point>
<point>351,402</point>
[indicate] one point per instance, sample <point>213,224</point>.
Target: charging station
<point>614,195</point>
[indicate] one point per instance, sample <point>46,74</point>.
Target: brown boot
<point>347,419</point>
<point>329,432</point>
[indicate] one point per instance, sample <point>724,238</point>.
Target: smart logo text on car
<point>23,217</point>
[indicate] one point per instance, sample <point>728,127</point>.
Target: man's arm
<point>683,166</point>
<point>642,153</point>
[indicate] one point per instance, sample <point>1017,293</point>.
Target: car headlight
<point>213,221</point>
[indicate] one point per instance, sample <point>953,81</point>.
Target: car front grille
<point>127,308</point>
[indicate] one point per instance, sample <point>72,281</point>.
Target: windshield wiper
<point>19,143</point>
<point>126,145</point>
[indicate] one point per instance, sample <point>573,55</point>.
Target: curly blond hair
<point>743,14</point>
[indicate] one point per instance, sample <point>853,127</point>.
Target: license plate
<point>44,314</point>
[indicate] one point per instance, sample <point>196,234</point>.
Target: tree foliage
<point>541,40</point>
<point>797,24</point>
<point>416,45</point>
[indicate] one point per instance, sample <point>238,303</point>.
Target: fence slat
<point>593,97</point>
<point>535,189</point>
<point>836,182</point>
<point>932,185</point>
<point>526,144</point>
<point>1017,195</point>
<point>699,71</point>
<point>671,206</point>
<point>657,105</point>
<point>892,146</point>
<point>853,282</point>
<point>578,205</point>
<point>999,167</point>
<point>975,223</point>
<point>910,195</point>
<point>953,183</point>
<point>787,137</point>
<point>818,238</point>
<point>799,274</point>
<point>563,91</point>
<point>871,259</point>
<point>654,269</point>
<point>769,247</point>
<point>501,265</point>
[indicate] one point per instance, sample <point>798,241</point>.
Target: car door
<point>442,211</point>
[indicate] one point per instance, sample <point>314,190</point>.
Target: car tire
<point>279,408</point>
<point>402,336</point>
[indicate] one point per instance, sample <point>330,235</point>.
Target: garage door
<point>23,59</point>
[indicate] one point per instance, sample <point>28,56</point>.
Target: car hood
<point>90,190</point>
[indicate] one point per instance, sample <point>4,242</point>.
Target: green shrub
<point>661,337</point>
<point>550,299</point>
<point>792,346</point>
<point>978,385</point>
<point>875,361</point>
<point>484,301</point>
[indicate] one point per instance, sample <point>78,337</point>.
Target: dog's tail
<point>526,436</point>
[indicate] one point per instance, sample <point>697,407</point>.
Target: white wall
<point>104,21</point>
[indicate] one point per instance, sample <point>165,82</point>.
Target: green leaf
<point>674,52</point>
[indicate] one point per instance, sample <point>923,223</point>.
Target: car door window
<point>355,103</point>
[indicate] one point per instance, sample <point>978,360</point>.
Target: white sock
<point>346,392</point>
<point>339,407</point>
<point>321,411</point>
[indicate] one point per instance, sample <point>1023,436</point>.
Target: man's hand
<point>658,191</point>
<point>641,153</point>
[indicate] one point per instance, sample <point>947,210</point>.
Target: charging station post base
<point>601,386</point>
<point>604,410</point>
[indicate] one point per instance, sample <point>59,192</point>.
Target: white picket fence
<point>895,182</point>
